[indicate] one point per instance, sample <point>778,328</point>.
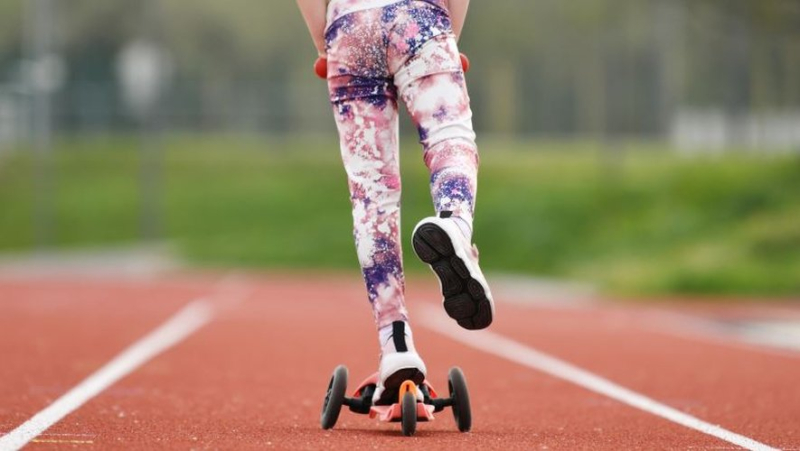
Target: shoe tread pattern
<point>464,298</point>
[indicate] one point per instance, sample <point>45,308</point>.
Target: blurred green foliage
<point>631,218</point>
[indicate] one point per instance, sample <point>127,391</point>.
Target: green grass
<point>635,220</point>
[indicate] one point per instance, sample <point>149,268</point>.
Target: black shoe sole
<point>391,386</point>
<point>464,298</point>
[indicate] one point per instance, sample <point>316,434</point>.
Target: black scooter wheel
<point>334,398</point>
<point>408,409</point>
<point>460,396</point>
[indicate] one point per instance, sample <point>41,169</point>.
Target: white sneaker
<point>439,242</point>
<point>399,363</point>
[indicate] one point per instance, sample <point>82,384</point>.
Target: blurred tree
<point>10,26</point>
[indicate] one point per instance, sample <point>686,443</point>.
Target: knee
<point>374,190</point>
<point>448,139</point>
<point>452,153</point>
<point>435,132</point>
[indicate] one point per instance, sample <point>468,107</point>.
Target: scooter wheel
<point>334,398</point>
<point>408,410</point>
<point>460,396</point>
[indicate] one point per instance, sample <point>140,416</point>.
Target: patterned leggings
<point>406,50</point>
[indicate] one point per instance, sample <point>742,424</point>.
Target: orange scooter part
<point>405,387</point>
<point>394,412</point>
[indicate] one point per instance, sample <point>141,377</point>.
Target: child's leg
<point>365,108</point>
<point>433,88</point>
<point>432,85</point>
<point>368,138</point>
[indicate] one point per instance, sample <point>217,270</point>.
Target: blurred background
<point>640,147</point>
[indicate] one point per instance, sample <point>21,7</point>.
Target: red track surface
<point>255,376</point>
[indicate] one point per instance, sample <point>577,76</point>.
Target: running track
<point>246,364</point>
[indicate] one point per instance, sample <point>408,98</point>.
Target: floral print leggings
<point>405,50</point>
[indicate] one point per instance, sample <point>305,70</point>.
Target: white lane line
<point>500,346</point>
<point>181,325</point>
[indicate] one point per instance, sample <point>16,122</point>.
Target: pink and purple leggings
<point>405,50</point>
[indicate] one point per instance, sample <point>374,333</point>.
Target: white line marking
<point>181,325</point>
<point>500,346</point>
